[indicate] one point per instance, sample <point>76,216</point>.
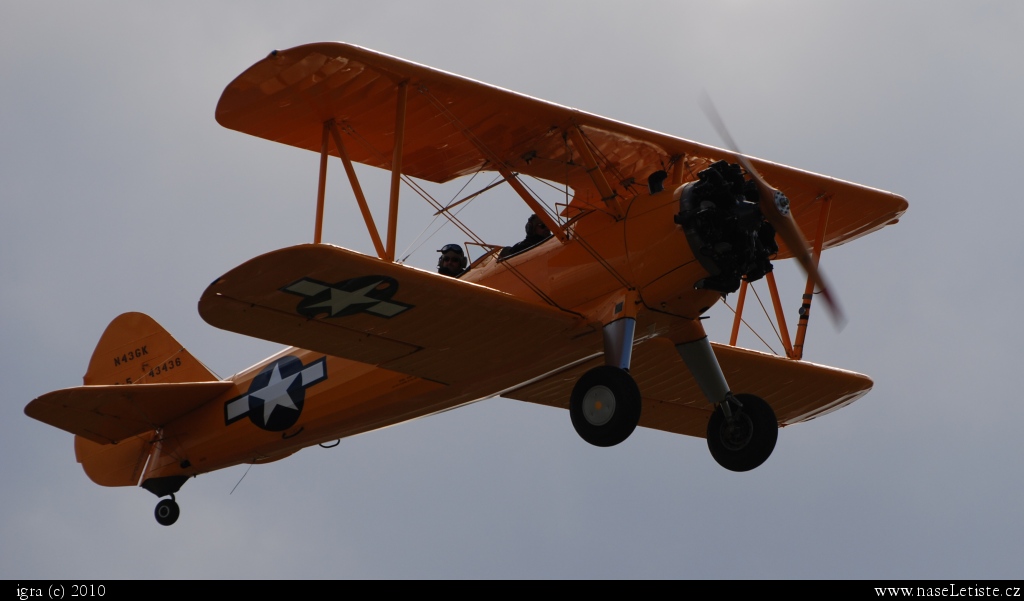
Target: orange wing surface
<point>108,414</point>
<point>797,390</point>
<point>456,126</point>
<point>339,302</point>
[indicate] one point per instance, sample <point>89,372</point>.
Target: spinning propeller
<point>775,207</point>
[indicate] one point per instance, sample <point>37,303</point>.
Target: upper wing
<point>108,414</point>
<point>455,126</point>
<point>672,400</point>
<point>339,302</point>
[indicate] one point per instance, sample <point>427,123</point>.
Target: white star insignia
<point>275,393</point>
<point>340,300</point>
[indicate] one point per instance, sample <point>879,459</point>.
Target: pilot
<point>536,232</point>
<point>452,261</point>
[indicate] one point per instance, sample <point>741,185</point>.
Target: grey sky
<point>121,193</point>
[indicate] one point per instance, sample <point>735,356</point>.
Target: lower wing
<point>672,401</point>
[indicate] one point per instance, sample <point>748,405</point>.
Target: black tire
<point>746,441</point>
<point>167,512</point>
<point>605,406</point>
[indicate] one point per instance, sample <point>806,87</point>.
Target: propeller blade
<point>775,208</point>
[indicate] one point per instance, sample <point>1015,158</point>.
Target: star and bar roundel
<point>370,294</point>
<point>276,395</point>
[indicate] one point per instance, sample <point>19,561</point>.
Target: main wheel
<point>167,512</point>
<point>605,406</point>
<point>745,440</point>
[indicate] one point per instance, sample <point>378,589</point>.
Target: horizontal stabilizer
<point>672,401</point>
<point>108,414</point>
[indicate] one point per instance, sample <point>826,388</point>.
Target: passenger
<point>536,232</point>
<point>452,261</point>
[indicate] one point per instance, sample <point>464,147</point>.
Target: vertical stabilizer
<point>135,349</point>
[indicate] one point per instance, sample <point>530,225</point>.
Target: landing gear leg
<point>167,512</point>
<point>743,429</point>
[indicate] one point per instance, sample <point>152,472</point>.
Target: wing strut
<point>780,316</point>
<point>528,198</point>
<point>396,170</point>
<point>738,316</point>
<point>805,308</point>
<point>364,208</point>
<point>608,194</point>
<point>794,350</point>
<point>331,131</point>
<point>321,189</point>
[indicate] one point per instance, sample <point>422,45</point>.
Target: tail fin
<point>135,349</point>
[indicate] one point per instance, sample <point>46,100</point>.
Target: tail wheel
<point>167,512</point>
<point>605,406</point>
<point>746,440</point>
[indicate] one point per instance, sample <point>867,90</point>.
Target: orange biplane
<point>603,317</point>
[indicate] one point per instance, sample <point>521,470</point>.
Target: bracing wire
<point>609,164</point>
<point>240,479</point>
<point>452,218</point>
<point>749,327</point>
<point>413,246</point>
<point>414,186</point>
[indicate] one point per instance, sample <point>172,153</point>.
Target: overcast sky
<point>121,193</point>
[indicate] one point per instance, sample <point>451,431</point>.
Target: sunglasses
<point>451,259</point>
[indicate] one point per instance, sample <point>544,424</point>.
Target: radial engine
<point>725,228</point>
